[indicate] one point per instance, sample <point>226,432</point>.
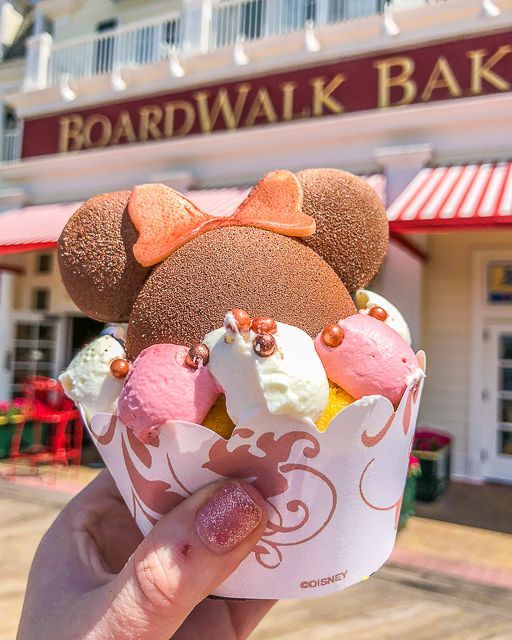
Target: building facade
<point>207,96</point>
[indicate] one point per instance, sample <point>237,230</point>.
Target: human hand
<point>95,578</point>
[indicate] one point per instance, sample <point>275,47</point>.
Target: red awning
<point>462,196</point>
<point>39,227</point>
<point>32,228</point>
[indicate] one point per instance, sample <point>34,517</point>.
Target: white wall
<point>447,339</point>
<point>60,302</point>
<point>400,281</point>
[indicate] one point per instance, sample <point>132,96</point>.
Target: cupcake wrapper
<point>333,497</point>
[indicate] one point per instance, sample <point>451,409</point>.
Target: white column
<point>38,21</point>
<point>401,279</point>
<point>400,165</point>
<point>197,18</point>
<point>6,291</point>
<point>39,48</point>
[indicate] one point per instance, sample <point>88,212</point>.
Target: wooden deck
<point>395,604</point>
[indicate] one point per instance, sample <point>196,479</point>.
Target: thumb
<point>189,552</point>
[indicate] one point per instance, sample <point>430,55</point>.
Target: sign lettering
<point>442,71</point>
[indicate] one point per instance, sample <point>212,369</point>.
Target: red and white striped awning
<point>377,181</point>
<point>39,227</point>
<point>440,198</point>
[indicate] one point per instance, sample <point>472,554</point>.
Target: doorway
<point>104,46</point>
<point>34,345</point>
<point>81,331</point>
<point>498,425</point>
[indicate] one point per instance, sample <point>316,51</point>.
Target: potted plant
<point>11,414</point>
<point>409,497</point>
<point>27,408</point>
<point>433,449</point>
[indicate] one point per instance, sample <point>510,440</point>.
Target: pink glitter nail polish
<point>228,517</point>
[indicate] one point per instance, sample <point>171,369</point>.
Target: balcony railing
<point>130,46</point>
<point>234,20</point>
<point>340,10</point>
<point>11,145</point>
<point>202,27</point>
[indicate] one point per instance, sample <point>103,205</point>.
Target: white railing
<point>340,10</point>
<point>130,46</point>
<point>234,20</point>
<point>203,26</point>
<point>11,145</point>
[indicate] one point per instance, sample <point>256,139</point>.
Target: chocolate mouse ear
<point>351,225</point>
<point>96,258</point>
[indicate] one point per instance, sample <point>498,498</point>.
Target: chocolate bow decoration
<point>166,220</point>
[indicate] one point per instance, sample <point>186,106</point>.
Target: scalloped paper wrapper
<point>333,497</point>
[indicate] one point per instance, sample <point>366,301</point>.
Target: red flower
<point>414,467</point>
<point>426,440</point>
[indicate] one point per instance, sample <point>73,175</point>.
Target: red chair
<point>48,405</point>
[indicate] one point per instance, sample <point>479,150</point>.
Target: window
<point>34,351</point>
<point>40,299</point>
<point>287,16</point>
<point>10,119</point>
<point>104,47</point>
<point>310,10</point>
<point>44,263</point>
<point>499,282</point>
<point>340,10</point>
<point>298,14</point>
<point>172,32</point>
<point>241,20</point>
<point>251,20</point>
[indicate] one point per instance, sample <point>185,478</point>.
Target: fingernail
<point>228,517</point>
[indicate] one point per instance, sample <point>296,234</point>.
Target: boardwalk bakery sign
<point>440,71</point>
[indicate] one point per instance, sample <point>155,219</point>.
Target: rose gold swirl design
<point>292,506</point>
<point>155,494</point>
<point>264,470</point>
<point>108,436</point>
<point>243,432</point>
<point>268,548</point>
<point>412,398</point>
<point>272,507</point>
<point>406,420</point>
<point>396,505</point>
<point>371,441</point>
<point>178,481</point>
<point>269,473</point>
<point>138,505</point>
<point>323,478</point>
<point>264,554</point>
<point>154,440</point>
<point>139,449</point>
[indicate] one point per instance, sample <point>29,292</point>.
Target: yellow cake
<point>338,400</point>
<point>218,420</point>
